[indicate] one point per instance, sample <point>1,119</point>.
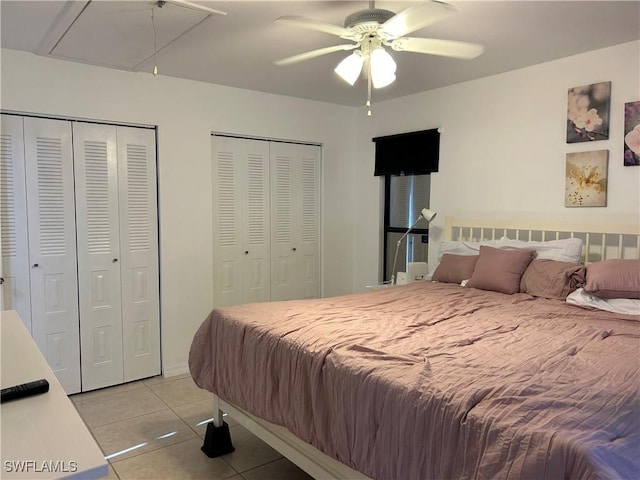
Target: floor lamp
<point>425,213</point>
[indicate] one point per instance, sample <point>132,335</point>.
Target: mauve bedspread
<point>434,381</point>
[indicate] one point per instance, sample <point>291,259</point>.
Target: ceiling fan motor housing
<point>367,21</point>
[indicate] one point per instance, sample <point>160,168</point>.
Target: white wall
<point>186,112</point>
<point>503,148</point>
<point>502,154</point>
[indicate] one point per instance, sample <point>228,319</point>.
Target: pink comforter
<point>434,381</point>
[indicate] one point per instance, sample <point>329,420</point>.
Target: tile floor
<point>154,428</point>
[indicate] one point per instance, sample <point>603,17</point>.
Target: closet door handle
<point>246,252</point>
<point>114,260</point>
<point>35,265</point>
<point>1,280</point>
<point>294,249</point>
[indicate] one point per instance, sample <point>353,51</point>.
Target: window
<point>405,197</point>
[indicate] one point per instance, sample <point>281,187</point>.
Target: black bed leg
<point>217,440</point>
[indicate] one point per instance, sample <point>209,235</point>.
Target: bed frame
<point>305,456</point>
<point>599,243</point>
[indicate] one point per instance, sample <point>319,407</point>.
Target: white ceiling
<point>238,49</point>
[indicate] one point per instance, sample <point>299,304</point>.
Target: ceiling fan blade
<point>414,18</point>
<point>314,53</point>
<point>318,26</point>
<point>432,46</point>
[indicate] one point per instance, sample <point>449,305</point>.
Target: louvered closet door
<point>52,246</point>
<point>294,220</point>
<point>96,178</point>
<point>240,221</point>
<point>255,223</point>
<point>308,220</point>
<point>227,220</point>
<point>284,246</point>
<point>13,220</point>
<point>139,252</point>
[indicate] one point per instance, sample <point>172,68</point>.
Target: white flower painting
<point>588,112</point>
<point>586,179</point>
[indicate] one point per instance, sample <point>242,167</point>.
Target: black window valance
<point>413,153</point>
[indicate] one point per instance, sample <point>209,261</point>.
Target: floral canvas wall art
<point>632,133</point>
<point>586,179</point>
<point>588,112</point>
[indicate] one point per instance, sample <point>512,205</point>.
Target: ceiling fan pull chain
<point>369,87</point>
<point>155,40</point>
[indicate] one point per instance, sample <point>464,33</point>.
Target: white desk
<point>43,436</point>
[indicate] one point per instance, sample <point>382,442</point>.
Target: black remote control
<point>24,390</point>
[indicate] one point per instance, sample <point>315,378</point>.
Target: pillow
<point>615,278</point>
<point>563,250</point>
<point>500,270</point>
<point>462,248</point>
<point>551,278</point>
<point>454,268</point>
<point>627,306</point>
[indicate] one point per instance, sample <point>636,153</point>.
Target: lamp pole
<point>395,258</point>
<point>428,215</point>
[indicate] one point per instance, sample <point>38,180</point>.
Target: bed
<point>437,380</point>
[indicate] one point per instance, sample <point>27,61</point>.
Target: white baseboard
<point>175,371</point>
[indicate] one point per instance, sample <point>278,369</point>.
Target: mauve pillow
<point>500,270</point>
<point>615,278</point>
<point>454,268</point>
<point>552,278</point>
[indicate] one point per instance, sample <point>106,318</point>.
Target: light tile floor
<point>154,428</point>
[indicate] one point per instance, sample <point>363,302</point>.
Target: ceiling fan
<point>373,29</point>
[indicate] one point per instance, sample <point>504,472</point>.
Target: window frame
<point>387,228</point>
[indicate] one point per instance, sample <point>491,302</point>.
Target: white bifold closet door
<point>52,246</point>
<point>96,179</point>
<point>295,220</point>
<point>240,220</point>
<point>13,220</point>
<point>79,243</point>
<point>139,271</point>
<point>266,220</point>
<point>117,253</point>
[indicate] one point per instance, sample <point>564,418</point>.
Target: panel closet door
<point>52,246</point>
<point>295,220</point>
<point>96,179</point>
<point>13,220</point>
<point>139,270</point>
<point>241,248</point>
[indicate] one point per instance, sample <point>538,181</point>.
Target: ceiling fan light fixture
<point>383,68</point>
<point>349,69</point>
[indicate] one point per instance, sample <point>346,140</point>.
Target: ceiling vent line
<point>136,68</point>
<point>60,26</point>
<point>190,5</point>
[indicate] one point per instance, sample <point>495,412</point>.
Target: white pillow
<point>627,306</point>
<point>563,250</point>
<point>463,248</point>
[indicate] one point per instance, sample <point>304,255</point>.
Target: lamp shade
<point>349,69</point>
<point>428,215</point>
<point>383,68</point>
